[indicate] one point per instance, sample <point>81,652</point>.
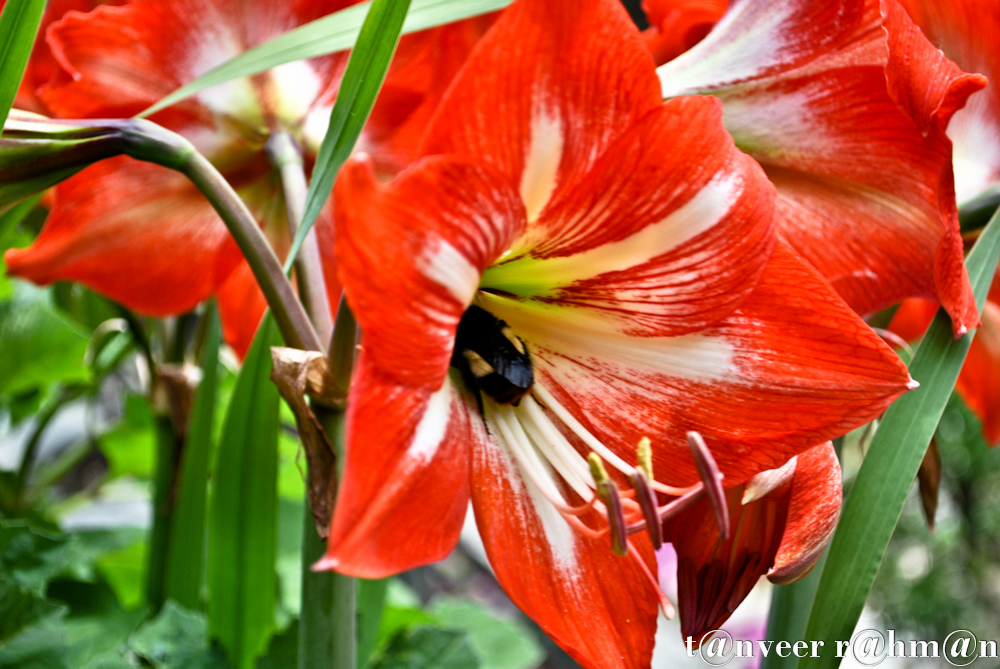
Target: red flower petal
<point>714,575</point>
<point>813,510</point>
<point>792,366</point>
<point>543,119</point>
<point>410,255</point>
<point>863,194</point>
<point>132,231</point>
<point>967,31</point>
<point>666,235</point>
<point>677,25</point>
<point>405,489</point>
<point>597,606</point>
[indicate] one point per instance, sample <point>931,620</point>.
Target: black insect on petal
<point>488,352</point>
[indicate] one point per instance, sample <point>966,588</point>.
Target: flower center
<point>571,478</point>
<point>492,357</point>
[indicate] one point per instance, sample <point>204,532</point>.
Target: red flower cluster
<point>593,287</point>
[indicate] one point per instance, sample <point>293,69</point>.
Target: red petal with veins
<point>666,235</point>
<point>132,231</point>
<point>405,488</point>
<point>863,194</point>
<point>792,366</point>
<point>597,606</point>
<point>813,510</point>
<point>545,118</point>
<point>410,254</point>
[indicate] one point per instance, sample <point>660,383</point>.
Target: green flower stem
<point>149,142</point>
<point>328,623</point>
<point>286,157</point>
<point>57,401</point>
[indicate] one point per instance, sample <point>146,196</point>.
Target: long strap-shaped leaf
<point>876,500</point>
<point>19,23</point>
<point>243,529</point>
<point>330,34</point>
<point>362,81</point>
<point>186,545</point>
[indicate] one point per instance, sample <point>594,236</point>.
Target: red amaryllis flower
<point>142,234</point>
<point>968,32</point>
<point>572,267</point>
<point>845,105</point>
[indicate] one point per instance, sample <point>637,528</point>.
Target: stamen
<point>595,444</point>
<point>712,479</point>
<point>607,490</point>
<point>646,498</point>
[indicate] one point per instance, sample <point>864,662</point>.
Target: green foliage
<point>49,346</point>
<point>497,643</point>
<point>19,607</point>
<point>176,639</point>
<point>186,544</point>
<point>129,447</point>
<point>243,512</point>
<point>330,34</point>
<point>19,23</point>
<point>427,647</point>
<point>876,500</point>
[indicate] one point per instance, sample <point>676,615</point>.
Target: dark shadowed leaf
<point>428,648</point>
<point>19,23</point>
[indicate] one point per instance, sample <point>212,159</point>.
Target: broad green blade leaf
<point>790,605</point>
<point>362,81</point>
<point>330,34</point>
<point>876,500</point>
<point>19,23</point>
<point>371,602</point>
<point>244,511</point>
<point>187,531</point>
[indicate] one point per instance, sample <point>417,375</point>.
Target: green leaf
<point>39,646</point>
<point>19,23</point>
<point>125,572</point>
<point>330,34</point>
<point>370,604</point>
<point>175,639</point>
<point>19,607</point>
<point>49,347</point>
<point>366,70</point>
<point>283,653</point>
<point>186,546</point>
<point>428,648</point>
<point>129,447</point>
<point>873,508</point>
<point>243,512</point>
<point>499,643</point>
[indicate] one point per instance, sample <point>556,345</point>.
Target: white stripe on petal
<point>445,265</point>
<point>433,425</point>
<point>726,56</point>
<point>541,164</point>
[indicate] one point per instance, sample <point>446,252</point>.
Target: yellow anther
<point>645,458</point>
<point>597,469</point>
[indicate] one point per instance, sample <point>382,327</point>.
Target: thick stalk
<point>328,623</point>
<point>147,141</point>
<point>168,446</point>
<point>287,158</point>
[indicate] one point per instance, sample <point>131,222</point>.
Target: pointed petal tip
<point>912,384</point>
<point>325,563</point>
